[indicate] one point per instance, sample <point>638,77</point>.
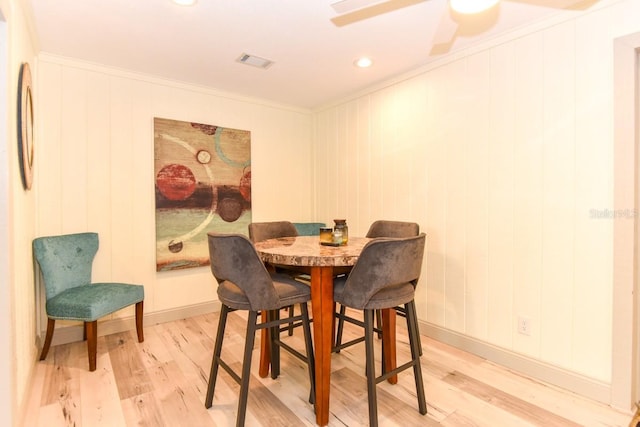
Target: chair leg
<point>139,316</point>
<point>379,323</point>
<point>371,373</point>
<point>343,311</point>
<point>274,331</point>
<point>47,340</point>
<point>291,314</point>
<point>308,345</point>
<point>92,343</point>
<point>412,328</point>
<point>403,312</point>
<point>246,367</point>
<point>215,362</point>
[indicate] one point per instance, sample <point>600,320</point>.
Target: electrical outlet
<point>524,325</point>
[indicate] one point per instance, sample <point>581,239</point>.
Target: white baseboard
<point>74,333</point>
<point>579,384</point>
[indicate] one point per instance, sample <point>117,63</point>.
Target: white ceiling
<point>313,57</point>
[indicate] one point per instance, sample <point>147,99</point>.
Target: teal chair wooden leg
<point>92,343</point>
<point>51,323</point>
<point>139,316</point>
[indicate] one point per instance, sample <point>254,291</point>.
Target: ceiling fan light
<point>471,6</point>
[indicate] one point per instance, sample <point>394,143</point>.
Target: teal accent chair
<point>309,228</point>
<point>65,263</point>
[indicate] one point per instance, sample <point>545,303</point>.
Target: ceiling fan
<point>452,24</point>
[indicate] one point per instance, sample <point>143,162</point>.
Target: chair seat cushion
<point>388,297</point>
<point>93,301</point>
<point>290,291</point>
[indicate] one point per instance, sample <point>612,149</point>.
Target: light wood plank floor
<point>162,382</point>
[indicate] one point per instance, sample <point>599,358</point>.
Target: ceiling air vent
<point>255,61</point>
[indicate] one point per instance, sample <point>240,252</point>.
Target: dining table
<point>322,262</point>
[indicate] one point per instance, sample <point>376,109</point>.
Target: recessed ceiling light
<point>363,62</point>
<point>185,2</point>
<point>471,6</point>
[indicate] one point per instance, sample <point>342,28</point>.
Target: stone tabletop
<point>307,251</point>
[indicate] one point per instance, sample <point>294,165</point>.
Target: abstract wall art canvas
<point>202,184</point>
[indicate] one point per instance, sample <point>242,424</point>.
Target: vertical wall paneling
<point>501,193</point>
<point>407,108</point>
<point>341,154</point>
<point>415,110</point>
<point>48,167</point>
<point>476,175</point>
<point>396,167</point>
<point>376,149</point>
<point>73,150</point>
<point>348,151</point>
<point>143,208</point>
<point>118,247</point>
<point>436,208</point>
<point>143,183</point>
<point>98,146</point>
<point>338,140</point>
<point>528,197</point>
<point>593,180</point>
<point>321,150</point>
<point>455,108</point>
<point>306,188</point>
<point>558,231</point>
<point>362,167</point>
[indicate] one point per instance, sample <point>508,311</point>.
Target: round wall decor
<point>25,125</point>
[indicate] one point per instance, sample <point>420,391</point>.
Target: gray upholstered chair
<point>380,228</point>
<point>385,228</point>
<point>66,263</point>
<point>385,276</point>
<point>244,283</point>
<point>260,231</point>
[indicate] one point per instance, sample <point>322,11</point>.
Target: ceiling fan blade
<point>344,6</point>
<point>445,34</point>
<point>446,28</point>
<point>454,24</point>
<point>581,5</point>
<point>369,11</point>
<point>560,4</point>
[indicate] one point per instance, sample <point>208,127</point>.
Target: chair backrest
<point>384,262</point>
<point>308,228</point>
<point>65,261</point>
<point>384,228</point>
<point>259,231</point>
<point>234,258</point>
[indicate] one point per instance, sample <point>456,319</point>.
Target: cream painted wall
<point>17,334</point>
<point>504,155</point>
<point>96,172</point>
